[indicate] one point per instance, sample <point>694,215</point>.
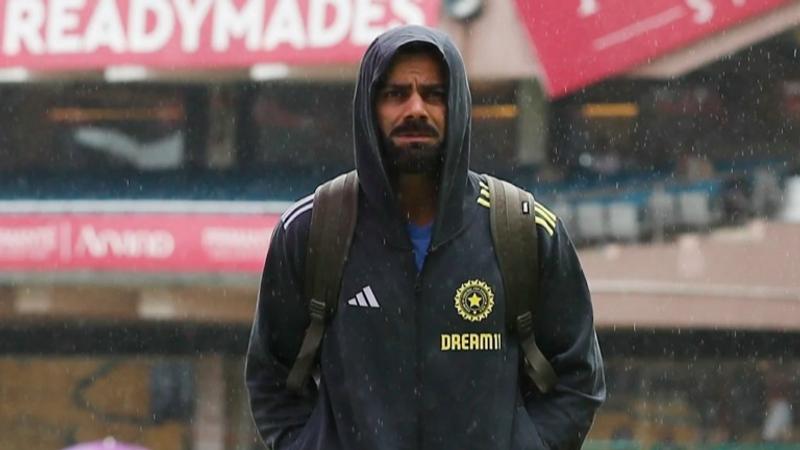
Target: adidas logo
<point>365,298</point>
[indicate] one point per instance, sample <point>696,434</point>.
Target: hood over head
<point>372,174</point>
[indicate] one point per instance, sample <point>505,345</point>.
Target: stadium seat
<point>623,221</point>
<point>695,209</point>
<point>591,222</point>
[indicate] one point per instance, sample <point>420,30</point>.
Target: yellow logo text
<point>452,342</point>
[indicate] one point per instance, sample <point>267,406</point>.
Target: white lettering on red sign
<point>27,242</point>
<point>321,35</point>
<point>588,8</point>
<point>230,22</point>
<point>703,10</point>
<point>24,20</point>
<point>191,17</point>
<point>141,39</point>
<point>124,243</point>
<point>366,13</point>
<point>63,27</point>
<point>105,29</point>
<point>408,11</point>
<point>285,26</point>
<point>226,243</point>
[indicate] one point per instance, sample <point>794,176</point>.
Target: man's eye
<point>393,93</point>
<point>438,95</point>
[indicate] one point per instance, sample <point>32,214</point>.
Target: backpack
<point>333,221</point>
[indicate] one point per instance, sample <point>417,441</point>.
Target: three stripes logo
<point>365,299</point>
<point>302,205</point>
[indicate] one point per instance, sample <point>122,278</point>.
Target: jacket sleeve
<point>278,328</point>
<point>564,330</point>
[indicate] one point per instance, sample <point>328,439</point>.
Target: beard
<point>416,158</point>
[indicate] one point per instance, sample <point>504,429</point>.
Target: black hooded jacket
<point>402,365</point>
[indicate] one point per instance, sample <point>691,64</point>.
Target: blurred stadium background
<point>147,148</point>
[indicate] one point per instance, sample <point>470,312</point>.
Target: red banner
<point>135,242</point>
<point>167,34</point>
<point>582,41</point>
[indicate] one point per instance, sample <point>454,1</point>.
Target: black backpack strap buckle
<point>525,323</point>
<point>318,310</point>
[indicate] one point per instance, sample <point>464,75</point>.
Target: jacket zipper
<point>418,308</point>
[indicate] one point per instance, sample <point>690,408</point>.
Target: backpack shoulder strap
<point>515,241</point>
<point>333,220</point>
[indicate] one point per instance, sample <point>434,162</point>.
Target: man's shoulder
<point>547,222</point>
<point>298,215</point>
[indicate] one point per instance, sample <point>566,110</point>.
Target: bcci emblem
<point>474,300</point>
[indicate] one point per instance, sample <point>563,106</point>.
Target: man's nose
<point>415,107</point>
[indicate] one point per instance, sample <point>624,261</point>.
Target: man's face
<point>411,109</point>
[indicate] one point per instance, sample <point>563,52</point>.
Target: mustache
<point>417,127</point>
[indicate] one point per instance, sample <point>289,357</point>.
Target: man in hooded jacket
<point>418,355</point>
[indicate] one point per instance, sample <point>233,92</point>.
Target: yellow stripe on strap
<point>544,212</point>
<point>545,225</point>
<point>485,193</point>
<point>483,202</point>
<point>483,185</point>
<point>540,215</point>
